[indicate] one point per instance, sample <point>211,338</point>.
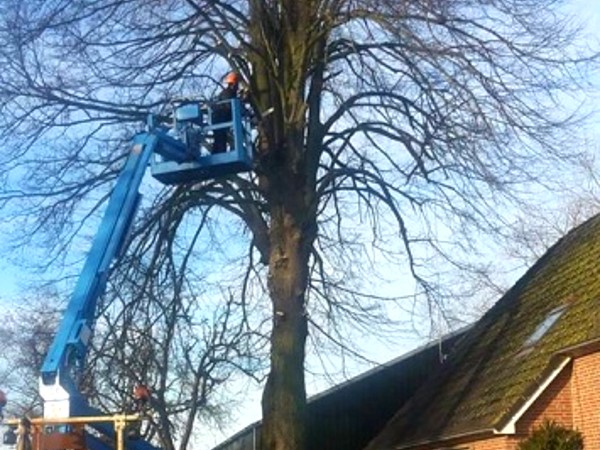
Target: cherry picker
<point>177,153</point>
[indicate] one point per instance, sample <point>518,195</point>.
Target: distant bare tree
<point>398,132</point>
<point>140,338</point>
<point>185,361</point>
<point>533,232</point>
<point>25,335</point>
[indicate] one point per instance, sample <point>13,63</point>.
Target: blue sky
<point>12,278</point>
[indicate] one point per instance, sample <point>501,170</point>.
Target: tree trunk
<point>284,29</point>
<point>284,397</point>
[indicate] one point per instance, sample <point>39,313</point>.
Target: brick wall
<point>497,443</point>
<point>573,400</point>
<point>586,398</point>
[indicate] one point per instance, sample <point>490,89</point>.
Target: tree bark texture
<point>284,396</point>
<point>285,30</point>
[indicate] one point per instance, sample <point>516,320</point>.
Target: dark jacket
<point>222,111</point>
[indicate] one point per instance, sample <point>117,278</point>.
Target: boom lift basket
<point>194,126</point>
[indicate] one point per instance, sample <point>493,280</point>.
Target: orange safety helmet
<point>231,78</point>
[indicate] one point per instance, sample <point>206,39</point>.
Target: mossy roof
<point>492,372</point>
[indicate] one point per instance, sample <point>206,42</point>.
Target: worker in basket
<point>222,111</point>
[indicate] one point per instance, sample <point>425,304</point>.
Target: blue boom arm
<point>68,350</point>
<point>67,353</point>
<point>69,347</point>
<point>180,161</point>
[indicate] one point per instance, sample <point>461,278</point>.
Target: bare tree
<point>146,336</point>
<point>398,131</point>
<point>185,363</point>
<point>25,333</point>
<point>158,331</point>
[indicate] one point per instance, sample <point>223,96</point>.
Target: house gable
<point>498,366</point>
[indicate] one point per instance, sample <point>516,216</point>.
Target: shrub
<point>551,436</point>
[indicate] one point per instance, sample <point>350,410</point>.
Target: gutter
<point>485,431</point>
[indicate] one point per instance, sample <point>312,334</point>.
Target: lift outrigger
<point>177,153</point>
